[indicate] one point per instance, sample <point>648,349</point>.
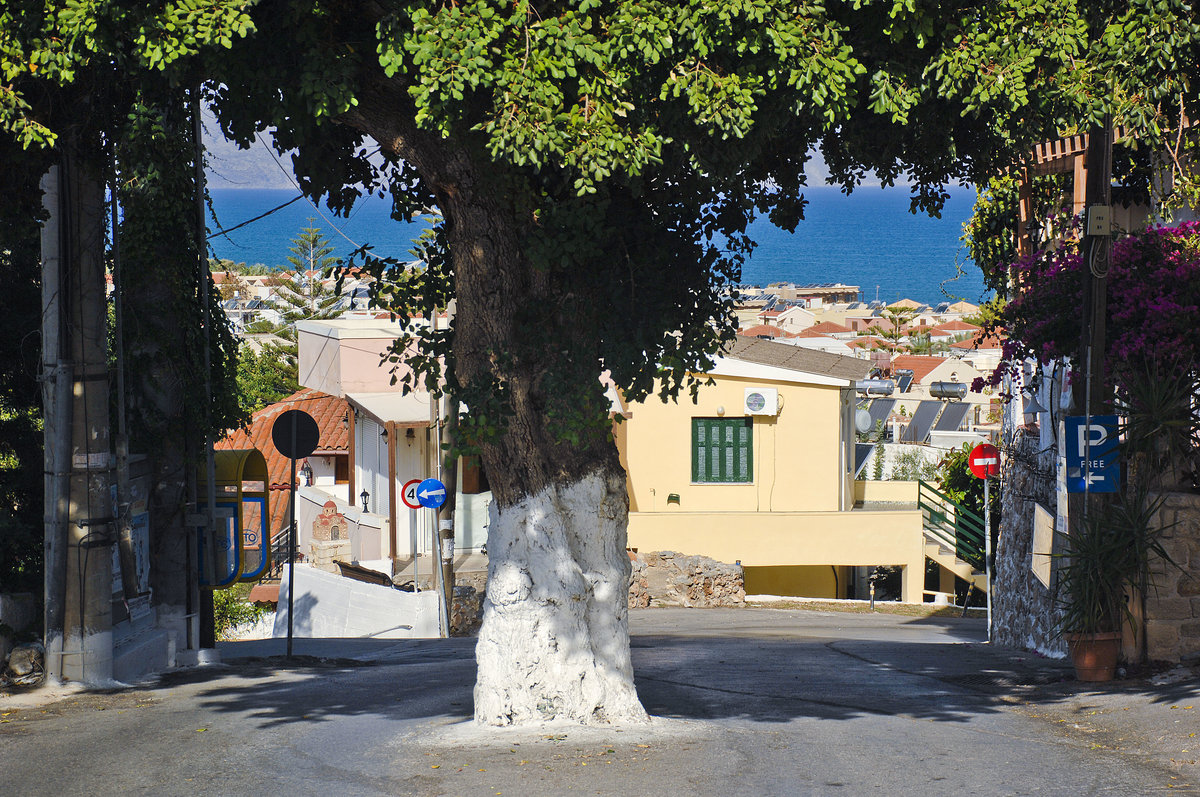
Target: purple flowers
<point>1153,304</point>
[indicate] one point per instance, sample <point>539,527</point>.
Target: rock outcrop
<point>667,578</point>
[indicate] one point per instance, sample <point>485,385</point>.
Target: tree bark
<point>555,637</point>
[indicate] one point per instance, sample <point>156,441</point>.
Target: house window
<point>722,450</point>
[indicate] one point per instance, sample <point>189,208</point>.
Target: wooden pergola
<point>1066,155</point>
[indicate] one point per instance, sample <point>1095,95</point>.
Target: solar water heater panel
<point>952,417</point>
<point>917,430</point>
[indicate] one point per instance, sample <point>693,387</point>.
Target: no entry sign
<point>984,460</point>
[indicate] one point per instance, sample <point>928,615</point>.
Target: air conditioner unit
<point>762,401</point>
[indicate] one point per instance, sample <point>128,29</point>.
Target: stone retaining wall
<point>1173,608</point>
<point>667,578</point>
<point>1023,611</point>
<point>466,611</point>
<point>1024,615</point>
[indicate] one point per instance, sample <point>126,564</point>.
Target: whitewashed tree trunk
<point>555,638</point>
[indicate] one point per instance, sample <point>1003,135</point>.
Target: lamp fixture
<point>364,496</point>
<point>1032,406</point>
<point>307,472</point>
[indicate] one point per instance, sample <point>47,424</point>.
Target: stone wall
<point>466,611</point>
<point>1173,608</point>
<point>666,578</point>
<point>1023,612</point>
<point>324,552</point>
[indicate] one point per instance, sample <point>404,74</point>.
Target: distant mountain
<point>230,167</point>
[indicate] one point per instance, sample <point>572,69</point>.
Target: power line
<point>288,175</point>
<point>225,232</point>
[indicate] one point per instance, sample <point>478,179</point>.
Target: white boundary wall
<point>329,606</point>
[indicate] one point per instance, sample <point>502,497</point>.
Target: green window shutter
<point>722,450</point>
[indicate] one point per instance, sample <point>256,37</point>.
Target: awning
<point>403,410</point>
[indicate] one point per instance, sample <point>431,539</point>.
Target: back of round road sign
<point>306,434</point>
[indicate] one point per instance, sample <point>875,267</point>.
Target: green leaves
<point>99,48</point>
<point>592,89</point>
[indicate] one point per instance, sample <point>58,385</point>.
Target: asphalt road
<point>747,702</point>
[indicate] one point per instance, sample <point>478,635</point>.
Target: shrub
<point>232,609</point>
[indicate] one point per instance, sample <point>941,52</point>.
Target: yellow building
<point>760,470</point>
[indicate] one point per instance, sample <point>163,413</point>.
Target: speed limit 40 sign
<point>409,494</point>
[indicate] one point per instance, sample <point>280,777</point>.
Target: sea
<point>867,238</point>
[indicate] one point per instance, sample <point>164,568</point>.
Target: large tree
<point>597,165</point>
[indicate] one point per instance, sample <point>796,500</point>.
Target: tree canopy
<point>597,165</point>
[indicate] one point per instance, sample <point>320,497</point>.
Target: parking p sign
<point>1093,464</point>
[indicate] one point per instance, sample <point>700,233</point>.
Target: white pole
<point>413,544</point>
<point>987,552</point>
<point>439,574</point>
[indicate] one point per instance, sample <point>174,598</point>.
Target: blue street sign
<point>1093,463</point>
<point>431,493</point>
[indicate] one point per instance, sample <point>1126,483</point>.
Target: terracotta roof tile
<point>326,410</point>
<point>829,328</point>
<point>761,330</point>
<point>979,341</point>
<point>921,365</point>
<point>956,326</point>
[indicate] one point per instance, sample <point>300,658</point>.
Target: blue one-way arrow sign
<point>431,493</point>
<point>1093,465</point>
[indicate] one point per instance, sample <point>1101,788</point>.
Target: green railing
<point>953,525</point>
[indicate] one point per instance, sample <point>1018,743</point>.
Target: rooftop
<point>797,358</point>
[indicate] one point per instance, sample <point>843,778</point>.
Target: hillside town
<point>577,495</point>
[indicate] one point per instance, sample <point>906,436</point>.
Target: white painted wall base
<point>330,606</point>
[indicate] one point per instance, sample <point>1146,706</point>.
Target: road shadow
<point>714,676</point>
<point>781,680</point>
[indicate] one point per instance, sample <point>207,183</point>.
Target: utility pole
<point>1090,393</point>
<point>1088,380</point>
<point>449,477</point>
<point>56,405</point>
<point>447,463</point>
<point>79,506</point>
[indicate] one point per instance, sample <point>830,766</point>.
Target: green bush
<point>232,608</point>
<point>911,465</point>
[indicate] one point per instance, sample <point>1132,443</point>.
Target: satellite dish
<point>862,421</point>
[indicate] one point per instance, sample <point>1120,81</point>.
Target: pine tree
<point>271,374</point>
<point>303,296</point>
<point>310,250</point>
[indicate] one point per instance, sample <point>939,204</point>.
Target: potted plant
<point>1105,559</point>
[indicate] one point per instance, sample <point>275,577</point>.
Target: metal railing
<point>279,555</point>
<point>951,525</point>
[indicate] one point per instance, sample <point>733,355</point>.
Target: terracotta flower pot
<point>1094,655</point>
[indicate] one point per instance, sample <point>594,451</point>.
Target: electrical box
<point>1099,220</point>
